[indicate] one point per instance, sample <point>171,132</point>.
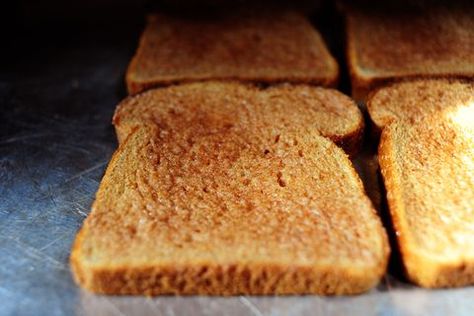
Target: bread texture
<point>415,100</point>
<point>222,202</point>
<point>408,41</point>
<point>332,113</point>
<point>262,46</point>
<point>427,162</point>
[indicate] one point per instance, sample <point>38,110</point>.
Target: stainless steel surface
<point>55,142</point>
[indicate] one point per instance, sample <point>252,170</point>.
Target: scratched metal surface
<point>55,142</point>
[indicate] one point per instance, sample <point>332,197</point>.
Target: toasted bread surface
<point>428,170</point>
<point>267,47</point>
<point>224,210</point>
<point>330,112</point>
<point>427,162</point>
<point>386,44</point>
<point>203,199</point>
<point>413,101</point>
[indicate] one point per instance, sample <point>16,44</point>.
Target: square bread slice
<point>409,40</point>
<point>223,202</point>
<point>264,47</point>
<point>426,156</point>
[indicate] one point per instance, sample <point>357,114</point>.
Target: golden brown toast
<point>426,156</point>
<point>411,40</point>
<point>412,101</point>
<point>203,199</point>
<point>333,114</point>
<point>264,47</point>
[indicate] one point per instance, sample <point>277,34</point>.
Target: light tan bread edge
<point>234,279</point>
<point>418,268</point>
<point>230,279</point>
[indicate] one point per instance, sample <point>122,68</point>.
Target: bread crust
<point>236,280</point>
<point>207,278</point>
<point>351,142</point>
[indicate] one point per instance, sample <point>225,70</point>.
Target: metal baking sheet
<point>55,142</point>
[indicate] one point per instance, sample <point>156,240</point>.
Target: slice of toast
<point>408,40</point>
<point>428,170</point>
<point>264,47</point>
<point>427,162</point>
<point>333,114</point>
<point>203,199</point>
<point>412,101</point>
